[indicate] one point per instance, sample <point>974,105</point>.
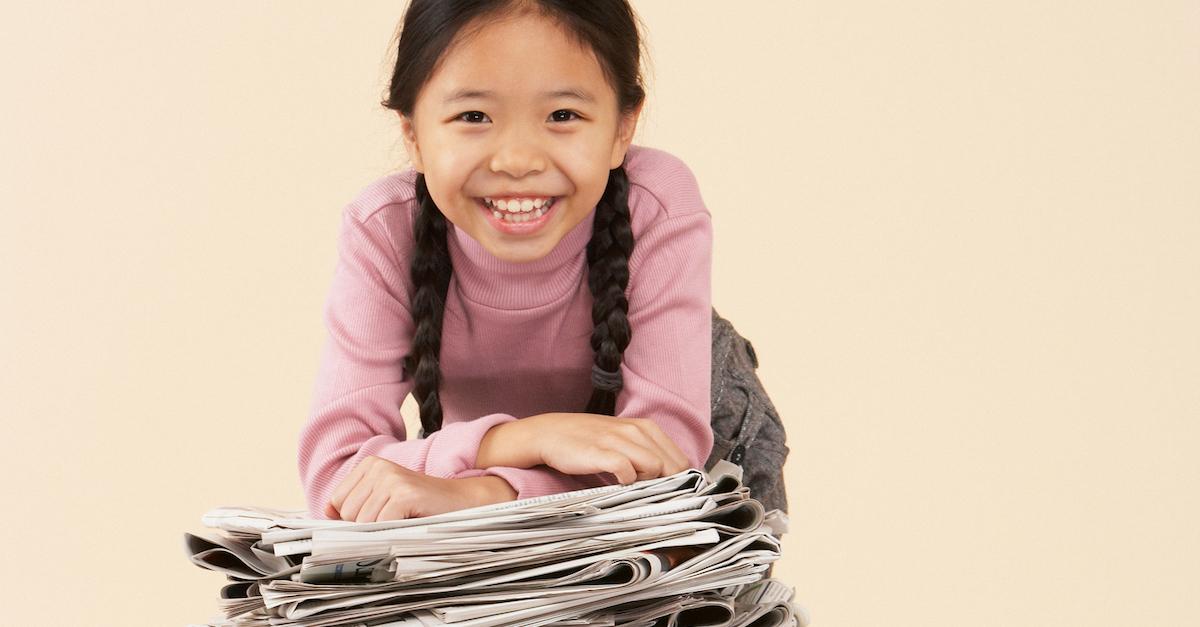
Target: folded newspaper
<point>690,549</point>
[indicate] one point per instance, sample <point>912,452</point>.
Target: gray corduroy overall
<point>746,427</point>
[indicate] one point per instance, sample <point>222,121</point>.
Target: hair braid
<point>608,275</point>
<point>431,269</point>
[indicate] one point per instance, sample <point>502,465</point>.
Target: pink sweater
<point>515,338</point>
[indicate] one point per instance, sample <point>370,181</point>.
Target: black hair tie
<point>606,380</point>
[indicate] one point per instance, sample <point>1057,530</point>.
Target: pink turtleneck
<point>515,337</point>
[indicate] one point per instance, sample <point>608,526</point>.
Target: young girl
<point>540,284</point>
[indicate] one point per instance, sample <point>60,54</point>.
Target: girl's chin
<point>517,252</point>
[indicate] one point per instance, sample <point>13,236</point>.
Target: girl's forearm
<point>490,490</point>
<point>508,444</point>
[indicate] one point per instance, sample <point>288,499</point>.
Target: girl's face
<point>517,112</point>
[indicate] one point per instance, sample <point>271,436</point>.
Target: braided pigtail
<point>608,275</point>
<point>431,269</point>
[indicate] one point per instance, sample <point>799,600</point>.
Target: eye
<point>470,113</point>
<point>569,112</point>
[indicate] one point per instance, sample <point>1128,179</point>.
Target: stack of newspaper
<point>689,549</point>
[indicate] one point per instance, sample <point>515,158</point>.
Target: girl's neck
<point>489,280</point>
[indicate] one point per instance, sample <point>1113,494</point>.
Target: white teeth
<point>514,205</point>
<point>517,211</point>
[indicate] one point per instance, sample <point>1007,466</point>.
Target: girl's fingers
<point>392,510</point>
<point>355,500</point>
<point>648,435</point>
<point>371,509</point>
<point>646,461</point>
<point>618,464</point>
<point>338,498</point>
<point>673,458</point>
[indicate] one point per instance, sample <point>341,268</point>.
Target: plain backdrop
<point>964,238</point>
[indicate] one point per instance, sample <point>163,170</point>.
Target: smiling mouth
<point>518,222</point>
<point>517,213</point>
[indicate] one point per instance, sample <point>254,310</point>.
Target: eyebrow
<point>467,94</point>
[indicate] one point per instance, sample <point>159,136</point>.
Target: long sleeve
<point>667,366</point>
<point>360,381</point>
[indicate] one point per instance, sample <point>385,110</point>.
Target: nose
<point>517,157</point>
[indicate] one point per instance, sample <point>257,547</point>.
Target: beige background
<point>962,236</point>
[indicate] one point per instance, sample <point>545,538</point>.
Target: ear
<point>624,136</point>
<point>409,132</point>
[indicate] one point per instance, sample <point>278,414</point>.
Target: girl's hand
<point>633,449</point>
<point>378,489</point>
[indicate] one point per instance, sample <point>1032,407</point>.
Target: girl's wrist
<point>508,444</point>
<point>490,489</point>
